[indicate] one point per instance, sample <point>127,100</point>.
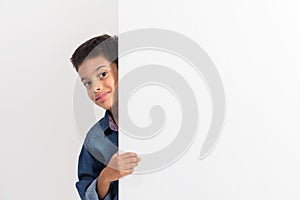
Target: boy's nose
<point>97,86</point>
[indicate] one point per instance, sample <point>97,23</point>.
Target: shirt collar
<point>107,123</point>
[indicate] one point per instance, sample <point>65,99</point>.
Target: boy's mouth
<point>101,97</point>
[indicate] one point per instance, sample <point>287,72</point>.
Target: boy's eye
<point>102,75</point>
<point>87,84</point>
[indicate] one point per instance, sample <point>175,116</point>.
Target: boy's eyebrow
<point>83,78</point>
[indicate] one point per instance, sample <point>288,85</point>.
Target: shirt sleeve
<point>89,169</point>
<point>91,192</point>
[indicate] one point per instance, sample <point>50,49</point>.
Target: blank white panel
<point>254,46</point>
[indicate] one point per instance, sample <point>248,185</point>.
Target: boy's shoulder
<point>98,144</point>
<point>95,132</point>
<point>98,128</point>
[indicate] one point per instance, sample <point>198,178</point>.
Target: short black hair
<point>103,45</point>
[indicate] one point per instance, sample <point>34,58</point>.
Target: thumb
<point>116,154</point>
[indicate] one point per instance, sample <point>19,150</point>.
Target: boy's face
<point>100,77</point>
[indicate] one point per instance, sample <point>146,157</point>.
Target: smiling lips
<point>101,97</point>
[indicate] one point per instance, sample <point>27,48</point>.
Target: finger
<point>123,163</point>
<point>130,166</point>
<point>131,160</point>
<point>128,171</point>
<point>128,154</point>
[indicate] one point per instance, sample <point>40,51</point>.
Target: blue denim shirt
<point>99,145</point>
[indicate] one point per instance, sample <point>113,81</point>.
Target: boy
<point>100,166</point>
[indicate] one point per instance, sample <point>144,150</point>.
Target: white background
<point>39,139</point>
<point>255,47</point>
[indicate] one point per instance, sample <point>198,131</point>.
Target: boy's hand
<point>121,165</point>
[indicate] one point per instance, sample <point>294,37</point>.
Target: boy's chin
<point>104,106</point>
